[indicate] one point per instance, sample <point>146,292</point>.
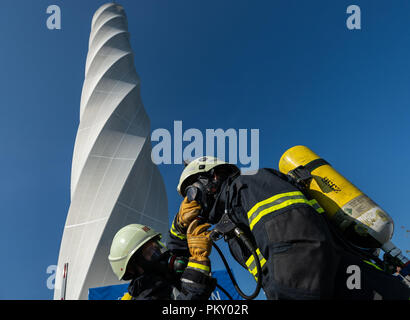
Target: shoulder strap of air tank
<point>302,174</point>
<point>314,164</point>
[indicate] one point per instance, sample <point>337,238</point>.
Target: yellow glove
<point>188,211</point>
<point>199,242</point>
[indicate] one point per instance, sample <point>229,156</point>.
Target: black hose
<point>251,248</point>
<point>235,284</point>
<point>240,235</point>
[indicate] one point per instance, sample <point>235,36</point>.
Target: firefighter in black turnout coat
<point>300,256</point>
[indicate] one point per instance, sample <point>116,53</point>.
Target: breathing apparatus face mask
<point>206,188</point>
<point>204,191</point>
<point>157,259</point>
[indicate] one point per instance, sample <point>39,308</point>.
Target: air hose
<point>240,235</point>
<point>227,229</point>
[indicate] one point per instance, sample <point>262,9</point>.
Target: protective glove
<point>200,246</point>
<point>188,211</point>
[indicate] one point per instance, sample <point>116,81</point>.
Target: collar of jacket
<point>218,208</point>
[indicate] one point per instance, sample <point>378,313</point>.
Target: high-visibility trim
<point>176,233</point>
<point>271,200</point>
<point>373,265</point>
<point>198,266</point>
<point>316,206</point>
<point>278,202</point>
<point>275,203</point>
<point>162,244</point>
<point>126,296</point>
<point>251,263</point>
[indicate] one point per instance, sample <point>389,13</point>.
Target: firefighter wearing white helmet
<point>206,173</point>
<point>136,254</point>
<point>125,243</point>
<point>199,166</point>
<point>300,257</point>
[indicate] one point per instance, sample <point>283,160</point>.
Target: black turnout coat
<point>300,254</point>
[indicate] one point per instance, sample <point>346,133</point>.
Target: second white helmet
<point>125,243</point>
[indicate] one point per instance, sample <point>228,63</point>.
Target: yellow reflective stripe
<point>316,206</point>
<point>126,296</point>
<point>278,202</point>
<point>250,261</point>
<point>198,266</point>
<point>180,236</point>
<point>251,258</point>
<point>275,208</point>
<point>373,265</point>
<point>176,234</point>
<point>272,199</point>
<point>251,264</point>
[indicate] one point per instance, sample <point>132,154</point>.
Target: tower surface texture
<point>113,179</point>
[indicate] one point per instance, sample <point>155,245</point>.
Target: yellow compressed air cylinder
<point>361,220</point>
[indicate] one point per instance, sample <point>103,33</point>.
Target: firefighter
<point>300,256</point>
<point>137,254</point>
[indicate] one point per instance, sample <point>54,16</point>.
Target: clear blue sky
<point>288,68</point>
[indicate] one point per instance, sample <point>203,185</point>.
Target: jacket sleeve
<point>177,241</point>
<point>195,285</point>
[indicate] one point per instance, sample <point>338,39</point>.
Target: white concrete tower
<point>113,180</point>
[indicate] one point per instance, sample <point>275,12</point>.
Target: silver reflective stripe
<point>274,203</point>
<point>316,206</point>
<point>251,263</point>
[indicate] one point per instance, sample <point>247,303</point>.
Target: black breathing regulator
<point>164,262</point>
<point>204,191</point>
